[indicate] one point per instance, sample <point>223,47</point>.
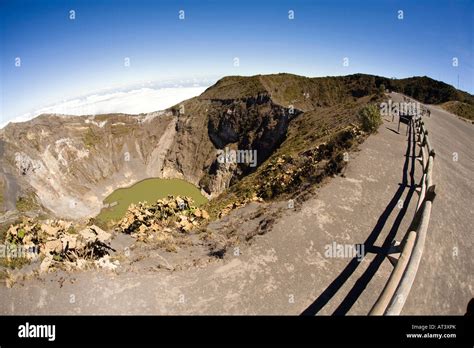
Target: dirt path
<point>288,270</point>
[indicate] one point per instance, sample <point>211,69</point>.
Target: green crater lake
<point>148,190</point>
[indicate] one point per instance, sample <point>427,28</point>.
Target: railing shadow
<point>369,246</point>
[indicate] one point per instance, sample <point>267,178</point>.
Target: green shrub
<point>370,118</point>
<point>90,138</point>
<point>26,203</point>
<point>382,89</point>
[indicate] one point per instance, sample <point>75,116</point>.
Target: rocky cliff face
<point>69,164</point>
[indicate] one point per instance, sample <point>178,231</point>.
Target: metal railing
<point>410,250</point>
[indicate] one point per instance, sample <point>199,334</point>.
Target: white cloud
<point>141,100</point>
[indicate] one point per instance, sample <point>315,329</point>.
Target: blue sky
<point>63,58</point>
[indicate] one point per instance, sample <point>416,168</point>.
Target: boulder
<point>53,246</point>
<point>205,215</point>
<point>46,263</point>
<point>50,230</point>
<point>69,242</point>
<point>94,233</point>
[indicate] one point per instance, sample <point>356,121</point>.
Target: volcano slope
<point>68,164</point>
<point>302,129</point>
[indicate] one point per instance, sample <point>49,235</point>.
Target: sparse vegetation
<point>52,241</point>
<point>2,189</point>
<point>313,149</point>
<point>459,108</point>
<point>13,262</point>
<point>429,91</point>
<point>4,275</point>
<point>90,138</point>
<point>26,203</point>
<point>4,228</point>
<point>382,89</point>
<point>121,130</point>
<point>370,118</point>
<point>165,223</point>
<point>288,89</point>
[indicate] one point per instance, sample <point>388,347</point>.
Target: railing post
<point>398,286</point>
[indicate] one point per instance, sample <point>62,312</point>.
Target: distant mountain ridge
<point>422,88</point>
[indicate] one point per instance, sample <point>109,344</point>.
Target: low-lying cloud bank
<point>134,101</point>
